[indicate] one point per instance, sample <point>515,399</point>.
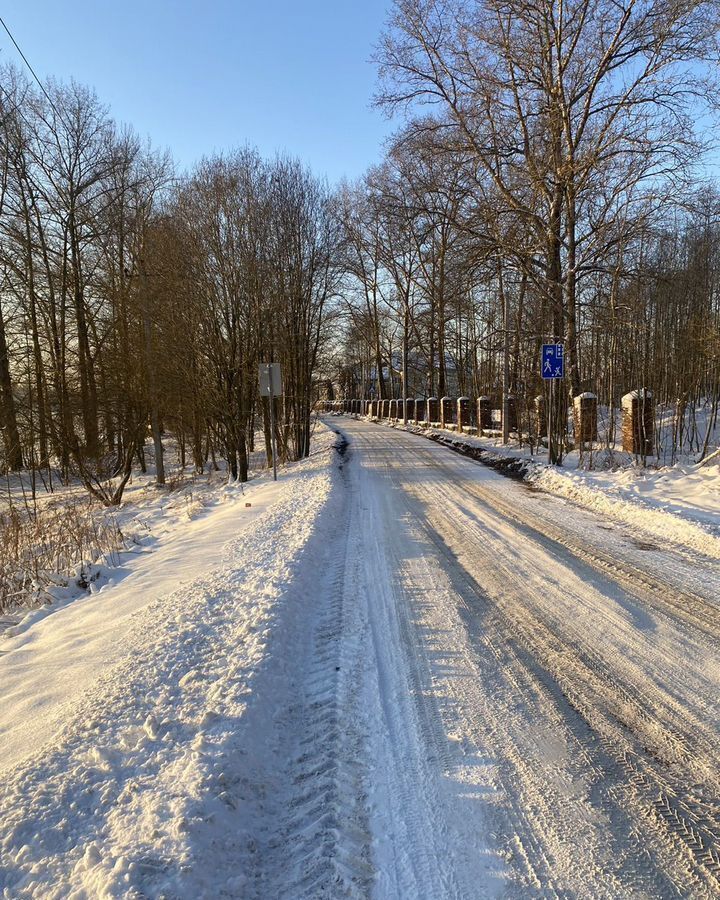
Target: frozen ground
<point>405,677</point>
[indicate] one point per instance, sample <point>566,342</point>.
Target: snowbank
<point>132,789</point>
<point>674,505</point>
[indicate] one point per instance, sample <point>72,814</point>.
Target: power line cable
<point>27,63</point>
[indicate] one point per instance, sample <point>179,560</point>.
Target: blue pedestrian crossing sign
<point>553,361</point>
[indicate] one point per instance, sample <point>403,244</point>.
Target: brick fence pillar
<point>446,412</point>
<point>463,413</point>
<point>484,414</point>
<point>638,422</point>
<point>585,418</point>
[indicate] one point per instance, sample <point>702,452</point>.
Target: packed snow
<point>678,502</point>
<point>396,674</point>
<point>121,717</point>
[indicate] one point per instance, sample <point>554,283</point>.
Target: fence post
<point>585,419</point>
<point>484,414</point>
<point>410,409</point>
<point>638,422</point>
<point>463,413</point>
<point>445,412</point>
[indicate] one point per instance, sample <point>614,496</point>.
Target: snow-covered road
<point>553,682</point>
<point>412,678</point>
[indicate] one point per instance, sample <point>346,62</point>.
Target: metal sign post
<point>552,370</point>
<point>270,379</point>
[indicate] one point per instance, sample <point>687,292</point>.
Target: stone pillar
<point>463,413</point>
<point>393,410</point>
<point>400,408</point>
<point>432,411</point>
<point>638,422</point>
<point>585,419</point>
<point>385,411</point>
<point>419,410</point>
<point>484,414</point>
<point>410,401</point>
<point>446,412</point>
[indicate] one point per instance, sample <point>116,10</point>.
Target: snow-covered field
<point>398,674</point>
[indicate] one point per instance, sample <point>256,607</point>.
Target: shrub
<point>49,548</point>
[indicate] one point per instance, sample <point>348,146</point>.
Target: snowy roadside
<point>137,788</point>
<point>679,504</point>
<point>70,546</point>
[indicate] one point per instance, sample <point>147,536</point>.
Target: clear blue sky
<point>198,77</point>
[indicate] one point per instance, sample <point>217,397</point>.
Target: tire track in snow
<point>674,854</point>
<point>529,813</point>
<point>644,588</point>
<point>414,817</point>
<point>680,602</point>
<point>589,685</point>
<point>647,702</point>
<point>320,845</point>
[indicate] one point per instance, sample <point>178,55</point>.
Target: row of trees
<point>544,188</point>
<point>131,298</point>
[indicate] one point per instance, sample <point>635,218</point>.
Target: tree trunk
<point>11,435</point>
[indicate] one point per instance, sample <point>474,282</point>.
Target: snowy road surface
<point>412,678</point>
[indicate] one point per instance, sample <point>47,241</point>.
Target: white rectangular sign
<point>270,380</point>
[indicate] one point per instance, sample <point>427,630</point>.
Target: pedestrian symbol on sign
<point>553,361</point>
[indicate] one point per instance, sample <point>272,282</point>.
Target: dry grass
<point>44,549</point>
